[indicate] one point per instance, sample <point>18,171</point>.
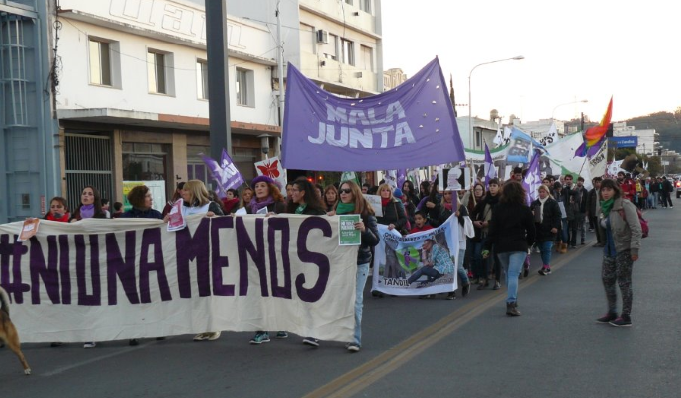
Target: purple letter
<point>257,255</point>
<point>40,270</point>
<point>220,262</point>
<point>15,250</point>
<point>279,224</point>
<point>190,248</point>
<point>64,269</point>
<point>96,297</point>
<point>123,269</point>
<point>153,237</point>
<point>315,293</point>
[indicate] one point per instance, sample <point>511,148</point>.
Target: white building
<point>538,128</point>
<point>133,93</point>
<point>393,77</point>
<point>483,131</point>
<point>646,137</point>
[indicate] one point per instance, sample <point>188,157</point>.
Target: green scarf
<point>606,206</point>
<point>345,208</point>
<point>301,208</point>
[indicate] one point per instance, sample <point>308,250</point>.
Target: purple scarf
<point>87,211</point>
<point>255,205</point>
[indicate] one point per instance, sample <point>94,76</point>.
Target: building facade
<point>393,77</point>
<point>133,94</point>
<point>646,142</point>
<point>29,153</point>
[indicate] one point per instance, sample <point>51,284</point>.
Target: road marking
<point>93,360</point>
<point>356,380</point>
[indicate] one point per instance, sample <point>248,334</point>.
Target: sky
<point>574,50</point>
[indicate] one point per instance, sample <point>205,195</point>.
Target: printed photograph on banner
<point>29,229</point>
<point>176,220</point>
<point>454,179</point>
<point>417,264</point>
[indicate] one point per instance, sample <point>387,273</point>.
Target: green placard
<point>347,234</point>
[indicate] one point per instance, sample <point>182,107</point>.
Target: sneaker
<point>214,335</point>
<point>311,341</point>
<point>451,296</point>
<point>260,337</point>
<point>282,335</point>
<point>547,271</point>
<point>352,347</point>
<point>497,285</point>
<point>591,230</point>
<point>624,320</point>
<point>91,344</point>
<point>133,342</point>
<point>474,281</point>
<point>56,344</point>
<point>201,337</point>
<point>607,318</point>
<point>542,272</point>
<point>465,289</point>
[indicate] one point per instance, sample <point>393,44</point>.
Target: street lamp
<point>567,103</point>
<point>470,118</point>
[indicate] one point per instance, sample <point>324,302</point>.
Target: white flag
<point>498,139</point>
<point>507,135</point>
<point>550,136</point>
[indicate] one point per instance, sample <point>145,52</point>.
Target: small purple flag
<point>225,174</point>
<point>490,170</point>
<point>532,179</point>
<point>412,125</point>
<point>401,177</point>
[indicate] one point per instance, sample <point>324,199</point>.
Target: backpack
<point>641,220</point>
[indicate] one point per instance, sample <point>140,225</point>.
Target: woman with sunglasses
<point>352,202</point>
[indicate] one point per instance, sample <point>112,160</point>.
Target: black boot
<point>512,310</point>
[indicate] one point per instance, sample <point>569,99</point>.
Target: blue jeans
<point>545,249</point>
<point>564,230</point>
<point>459,267</point>
<point>512,263</point>
<point>430,272</point>
<point>362,274</point>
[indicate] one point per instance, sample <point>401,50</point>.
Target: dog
<point>8,333</point>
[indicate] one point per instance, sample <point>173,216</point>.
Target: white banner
<point>417,264</point>
<point>99,280</point>
<point>598,163</point>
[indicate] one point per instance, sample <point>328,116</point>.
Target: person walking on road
<point>547,224</point>
<point>619,219</point>
<point>511,232</point>
<point>667,189</point>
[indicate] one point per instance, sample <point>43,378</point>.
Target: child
<point>421,223</point>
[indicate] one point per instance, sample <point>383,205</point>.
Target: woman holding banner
<point>482,217</point>
<point>352,202</point>
<point>330,197</point>
<point>447,210</point>
<point>511,232</point>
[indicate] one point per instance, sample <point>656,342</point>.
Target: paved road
<point>430,348</point>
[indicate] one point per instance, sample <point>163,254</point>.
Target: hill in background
<point>666,124</point>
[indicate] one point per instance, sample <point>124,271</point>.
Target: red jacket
<point>425,227</point>
<point>628,189</point>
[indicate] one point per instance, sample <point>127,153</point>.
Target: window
<point>100,63</point>
<point>331,49</point>
<point>160,72</point>
<point>145,162</point>
<point>244,87</point>
<point>202,79</point>
<point>365,5</point>
<point>348,49</point>
<point>307,38</point>
<point>348,2</point>
<point>367,60</point>
<point>478,139</point>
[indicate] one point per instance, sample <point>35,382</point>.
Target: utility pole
<point>218,78</point>
<point>280,67</point>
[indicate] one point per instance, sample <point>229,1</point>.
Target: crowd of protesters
<point>505,228</point>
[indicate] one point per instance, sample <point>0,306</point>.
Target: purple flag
<point>532,179</point>
<point>225,174</point>
<point>490,170</point>
<point>412,125</point>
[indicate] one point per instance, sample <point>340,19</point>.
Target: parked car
<point>677,185</point>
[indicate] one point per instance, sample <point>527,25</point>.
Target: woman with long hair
<point>90,205</point>
<point>246,196</point>
<point>470,201</point>
<point>482,217</point>
<point>511,232</point>
<point>330,197</point>
<point>619,220</point>
<point>266,195</point>
<point>196,200</point>
<point>410,192</point>
<point>304,199</point>
<point>352,202</point>
<point>547,222</point>
<point>448,206</point>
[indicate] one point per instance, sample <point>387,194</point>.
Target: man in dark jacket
<point>655,191</point>
<point>581,196</point>
<point>667,189</point>
<point>571,209</point>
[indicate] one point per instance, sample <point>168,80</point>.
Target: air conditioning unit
<point>323,36</point>
<point>358,74</point>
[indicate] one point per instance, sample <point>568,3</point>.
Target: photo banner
<point>412,125</point>
<point>398,261</point>
<point>100,280</point>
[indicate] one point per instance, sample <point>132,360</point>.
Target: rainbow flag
<point>595,136</point>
